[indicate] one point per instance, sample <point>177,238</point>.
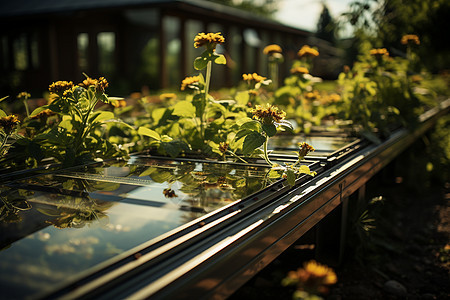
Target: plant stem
<point>26,107</point>
<point>237,156</point>
<point>208,78</point>
<point>205,98</point>
<point>266,155</point>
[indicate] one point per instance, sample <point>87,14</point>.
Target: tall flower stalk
<point>275,56</point>
<point>209,41</point>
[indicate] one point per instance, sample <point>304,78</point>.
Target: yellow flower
<point>305,148</point>
<point>307,51</point>
<point>253,93</point>
<point>416,78</point>
<point>346,69</point>
<point>23,96</point>
<point>223,147</point>
<point>59,87</point>
<point>169,193</point>
<point>271,49</point>
<point>379,52</point>
<point>410,39</point>
<point>100,84</point>
<point>8,123</point>
<point>119,103</point>
<point>88,82</point>
<point>167,96</point>
<point>188,81</point>
<point>312,95</point>
<point>268,114</point>
<point>253,77</point>
<point>210,40</point>
<point>334,97</point>
<point>313,276</point>
<point>299,71</point>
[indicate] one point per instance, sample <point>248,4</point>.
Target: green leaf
<point>1,99</point>
<point>100,116</point>
<point>119,122</point>
<point>242,98</point>
<point>242,133</point>
<point>269,129</point>
<point>2,113</point>
<point>200,63</point>
<point>252,141</point>
<point>173,148</point>
<point>220,60</point>
<point>291,176</point>
<point>241,121</point>
<point>286,125</point>
<point>251,125</point>
<point>184,109</point>
<point>38,110</point>
<point>305,170</point>
<point>273,174</point>
<point>148,132</point>
<point>149,171</point>
<point>66,124</point>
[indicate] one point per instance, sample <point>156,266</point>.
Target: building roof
<point>29,8</point>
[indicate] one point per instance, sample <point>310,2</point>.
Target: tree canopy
<point>326,26</point>
<point>385,22</point>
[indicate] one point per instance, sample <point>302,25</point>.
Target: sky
<point>304,14</point>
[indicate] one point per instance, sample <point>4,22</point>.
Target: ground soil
<point>408,250</point>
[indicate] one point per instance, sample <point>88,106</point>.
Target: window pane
<point>106,42</point>
<point>83,50</point>
<point>193,27</point>
<point>20,52</point>
<point>173,61</point>
<point>235,40</point>
<point>34,50</point>
<point>5,53</point>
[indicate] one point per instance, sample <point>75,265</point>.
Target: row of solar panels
<point>178,228</point>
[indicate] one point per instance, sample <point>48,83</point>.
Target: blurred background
<point>141,45</point>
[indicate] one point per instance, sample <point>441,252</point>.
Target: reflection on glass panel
<point>83,51</point>
<point>34,50</point>
<point>20,52</point>
<point>193,27</point>
<point>106,42</point>
<point>171,27</point>
<point>59,225</point>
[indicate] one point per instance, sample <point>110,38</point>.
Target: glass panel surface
<point>55,226</point>
<point>322,145</point>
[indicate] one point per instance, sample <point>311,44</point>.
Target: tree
<point>326,27</point>
<point>384,22</point>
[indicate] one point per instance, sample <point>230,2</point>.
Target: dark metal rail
<point>213,256</point>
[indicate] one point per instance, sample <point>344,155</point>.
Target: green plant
<point>256,133</point>
<point>78,137</point>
